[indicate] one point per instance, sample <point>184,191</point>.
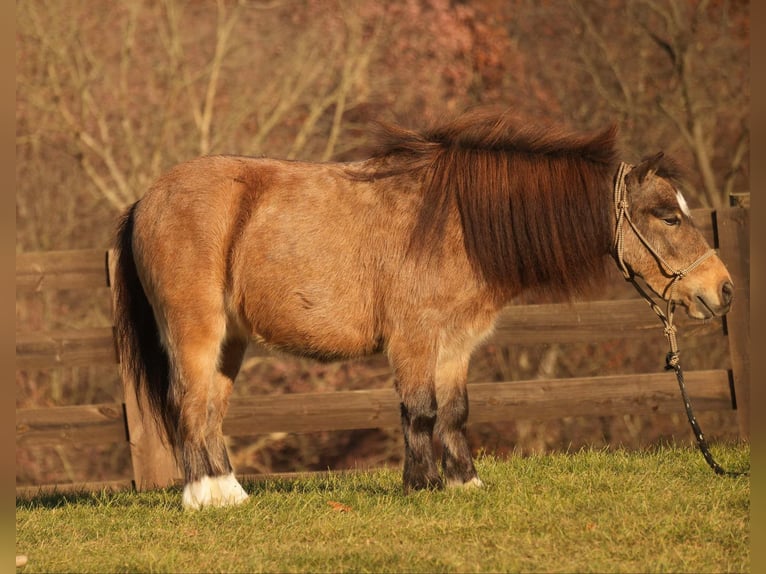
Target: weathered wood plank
<point>38,350</point>
<point>599,396</point>
<point>307,412</point>
<point>589,321</point>
<point>154,465</point>
<point>376,408</point>
<point>734,248</point>
<point>538,399</point>
<point>54,270</point>
<point>75,425</point>
<point>705,222</point>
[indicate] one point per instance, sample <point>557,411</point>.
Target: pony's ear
<point>647,167</point>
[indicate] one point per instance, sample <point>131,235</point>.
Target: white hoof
<point>213,491</point>
<point>475,482</point>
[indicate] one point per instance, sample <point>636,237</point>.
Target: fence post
<point>733,231</point>
<point>153,463</point>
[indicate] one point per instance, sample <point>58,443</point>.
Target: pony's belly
<point>313,349</point>
<point>329,345</point>
<point>339,329</point>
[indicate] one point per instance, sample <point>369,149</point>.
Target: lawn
<point>660,510</point>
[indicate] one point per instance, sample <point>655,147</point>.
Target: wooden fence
<point>714,389</point>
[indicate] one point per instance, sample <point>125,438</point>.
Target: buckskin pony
<point>412,253</point>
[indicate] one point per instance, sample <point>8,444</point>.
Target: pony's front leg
<point>452,416</point>
<point>418,418</point>
<point>451,421</point>
<point>418,411</point>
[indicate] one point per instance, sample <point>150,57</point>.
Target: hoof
<point>472,483</point>
<point>213,491</point>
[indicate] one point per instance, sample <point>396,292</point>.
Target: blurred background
<point>111,94</point>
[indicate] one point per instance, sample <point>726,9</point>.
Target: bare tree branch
<point>739,156</point>
<point>608,56</point>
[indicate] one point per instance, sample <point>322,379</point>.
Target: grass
<point>592,511</point>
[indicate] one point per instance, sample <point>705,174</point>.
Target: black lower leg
<point>217,455</point>
<point>457,461</point>
<point>420,470</point>
<point>196,462</point>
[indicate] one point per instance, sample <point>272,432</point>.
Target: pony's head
<point>656,239</point>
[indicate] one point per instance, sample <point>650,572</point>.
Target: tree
<point>132,88</point>
<point>674,75</point>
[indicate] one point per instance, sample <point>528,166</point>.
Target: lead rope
<point>672,360</point>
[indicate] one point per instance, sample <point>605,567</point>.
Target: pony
<point>412,252</point>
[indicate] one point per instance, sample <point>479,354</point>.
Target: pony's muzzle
<point>705,304</point>
<point>725,297</point>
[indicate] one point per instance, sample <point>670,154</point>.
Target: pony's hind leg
<point>232,352</point>
<point>206,372</point>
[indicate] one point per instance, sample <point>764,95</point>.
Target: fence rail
<point>717,389</point>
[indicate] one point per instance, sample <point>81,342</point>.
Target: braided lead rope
<point>673,363</point>
<point>672,359</point>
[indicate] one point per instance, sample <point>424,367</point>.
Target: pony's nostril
<point>727,292</point>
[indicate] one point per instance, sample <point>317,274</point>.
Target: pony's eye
<point>669,217</point>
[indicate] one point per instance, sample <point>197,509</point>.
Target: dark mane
<point>534,203</point>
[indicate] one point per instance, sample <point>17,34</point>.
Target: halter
<point>622,215</point>
<point>672,361</point>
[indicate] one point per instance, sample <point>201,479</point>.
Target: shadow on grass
<point>373,482</point>
<point>370,482</point>
<point>50,499</point>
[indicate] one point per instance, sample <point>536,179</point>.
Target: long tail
<point>142,356</point>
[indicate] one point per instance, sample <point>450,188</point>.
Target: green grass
<point>592,511</point>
